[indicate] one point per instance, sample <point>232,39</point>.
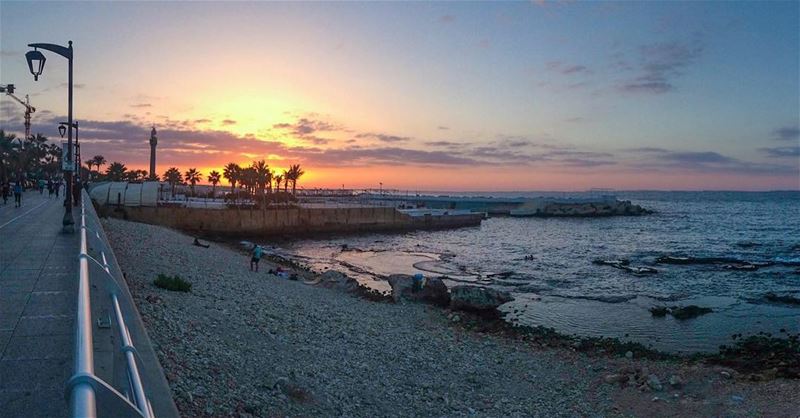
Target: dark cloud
<point>305,128</point>
<point>442,144</point>
<point>447,19</point>
<point>227,122</point>
<point>141,105</point>
<point>709,162</point>
<point>202,120</point>
<point>567,69</point>
<point>442,128</point>
<point>585,163</point>
<point>782,152</point>
<point>646,150</point>
<point>383,137</point>
<point>787,133</point>
<point>660,64</point>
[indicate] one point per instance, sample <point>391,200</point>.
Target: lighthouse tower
<point>153,143</point>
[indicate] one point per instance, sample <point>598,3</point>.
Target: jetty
<point>145,202</point>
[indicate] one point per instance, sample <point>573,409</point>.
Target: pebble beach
<point>242,343</point>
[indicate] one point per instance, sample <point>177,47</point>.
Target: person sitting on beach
<point>256,256</point>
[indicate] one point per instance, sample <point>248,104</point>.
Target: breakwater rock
<point>580,208</point>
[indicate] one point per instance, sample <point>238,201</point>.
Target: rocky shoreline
<point>242,343</point>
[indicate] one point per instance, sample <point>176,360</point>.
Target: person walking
<point>17,194</point>
<point>49,188</point>
<point>41,183</point>
<point>257,253</point>
<point>58,187</point>
<point>6,192</point>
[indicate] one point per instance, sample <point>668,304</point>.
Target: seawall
<point>289,221</point>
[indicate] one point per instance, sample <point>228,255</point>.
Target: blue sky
<point>553,95</point>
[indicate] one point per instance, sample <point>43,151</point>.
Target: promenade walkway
<point>38,288</point>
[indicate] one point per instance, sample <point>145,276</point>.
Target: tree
<point>213,178</point>
<point>116,171</point>
<point>248,178</point>
<point>278,178</point>
<point>294,173</point>
<point>173,177</point>
<point>231,172</point>
<point>192,177</point>
<point>263,176</point>
<point>98,160</point>
<point>89,165</point>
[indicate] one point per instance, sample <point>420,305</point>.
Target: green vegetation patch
<point>174,283</point>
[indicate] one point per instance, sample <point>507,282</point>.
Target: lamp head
<point>35,63</point>
<point>62,129</point>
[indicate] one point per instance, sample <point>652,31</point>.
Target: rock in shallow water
<point>478,299</point>
<point>434,291</point>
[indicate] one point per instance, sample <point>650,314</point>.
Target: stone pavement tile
<point>47,403</point>
<point>8,322</point>
<point>57,282</point>
<point>12,303</point>
<point>46,325</point>
<point>36,374</point>
<point>39,347</point>
<point>22,284</point>
<point>4,337</point>
<point>50,303</point>
<point>11,274</point>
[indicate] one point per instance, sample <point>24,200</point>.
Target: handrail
<point>84,386</point>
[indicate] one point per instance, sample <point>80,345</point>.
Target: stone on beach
<point>481,300</point>
<point>434,291</point>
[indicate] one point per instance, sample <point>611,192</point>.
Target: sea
<point>548,266</point>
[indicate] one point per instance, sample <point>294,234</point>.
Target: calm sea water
<point>547,265</point>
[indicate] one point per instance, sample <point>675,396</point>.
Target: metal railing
<point>85,389</point>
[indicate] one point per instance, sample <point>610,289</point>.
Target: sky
<point>427,96</point>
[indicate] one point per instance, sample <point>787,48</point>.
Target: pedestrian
<point>6,192</point>
<point>256,256</point>
<point>58,187</point>
<point>76,193</point>
<point>49,188</point>
<point>41,183</point>
<point>17,194</point>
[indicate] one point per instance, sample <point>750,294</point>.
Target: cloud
<point>659,65</point>
<point>141,105</point>
<point>787,133</point>
<point>305,128</point>
<point>708,162</point>
<point>442,128</point>
<point>74,85</point>
<point>228,122</point>
<point>447,19</point>
<point>782,152</point>
<point>567,69</point>
<point>383,137</point>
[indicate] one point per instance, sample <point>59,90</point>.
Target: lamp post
<point>36,62</point>
<point>62,129</point>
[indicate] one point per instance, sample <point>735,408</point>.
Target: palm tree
<point>192,177</point>
<point>232,172</point>
<point>98,160</point>
<point>90,164</point>
<point>173,177</point>
<point>294,174</point>
<point>213,178</point>
<point>278,178</point>
<point>116,171</point>
<point>248,179</point>
<point>263,176</point>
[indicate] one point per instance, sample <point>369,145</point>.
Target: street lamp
<point>37,59</point>
<point>36,65</point>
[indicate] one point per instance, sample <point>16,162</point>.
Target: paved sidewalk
<point>38,293</point>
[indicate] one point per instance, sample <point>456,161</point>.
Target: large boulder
<point>434,291</point>
<point>332,279</point>
<point>482,300</point>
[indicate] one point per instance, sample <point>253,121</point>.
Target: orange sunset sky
<point>428,96</point>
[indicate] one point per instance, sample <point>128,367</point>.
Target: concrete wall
<point>289,221</point>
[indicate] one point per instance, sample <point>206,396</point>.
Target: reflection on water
<point>547,264</point>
